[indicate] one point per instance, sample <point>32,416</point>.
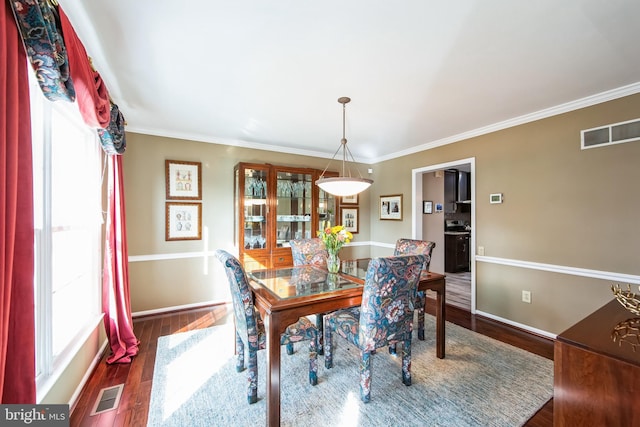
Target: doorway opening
<point>429,186</point>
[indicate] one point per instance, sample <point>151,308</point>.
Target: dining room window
<point>67,232</point>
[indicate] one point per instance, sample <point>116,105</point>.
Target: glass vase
<point>333,263</point>
<point>332,280</point>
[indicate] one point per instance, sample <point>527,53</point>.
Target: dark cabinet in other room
<point>450,191</point>
<point>456,257</point>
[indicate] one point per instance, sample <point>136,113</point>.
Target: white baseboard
<point>78,391</point>
<point>517,325</point>
<point>178,308</point>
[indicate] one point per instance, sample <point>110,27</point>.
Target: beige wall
<point>571,209</point>
<point>177,273</point>
<point>564,208</point>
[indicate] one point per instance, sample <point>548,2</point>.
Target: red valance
<point>91,93</point>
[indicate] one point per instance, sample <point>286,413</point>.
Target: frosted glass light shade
<point>344,186</point>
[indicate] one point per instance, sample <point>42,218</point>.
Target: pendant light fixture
<point>344,184</point>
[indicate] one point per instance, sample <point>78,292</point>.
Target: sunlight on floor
<point>350,411</point>
<point>208,319</point>
<point>194,366</point>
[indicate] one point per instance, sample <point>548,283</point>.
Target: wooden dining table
<point>283,295</point>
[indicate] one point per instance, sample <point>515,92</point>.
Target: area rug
<point>481,382</point>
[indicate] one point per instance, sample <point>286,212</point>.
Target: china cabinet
<point>273,205</point>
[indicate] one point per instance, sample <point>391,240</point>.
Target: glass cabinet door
<point>255,209</point>
<point>327,213</point>
<point>294,201</point>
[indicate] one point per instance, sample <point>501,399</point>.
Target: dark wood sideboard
<point>597,379</point>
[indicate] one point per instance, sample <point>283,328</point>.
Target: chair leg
<point>421,304</point>
<point>328,355</point>
<point>392,350</point>
<point>320,327</point>
<point>252,391</point>
<point>406,362</point>
<point>313,360</point>
<point>239,354</point>
<point>365,376</point>
<point>421,324</point>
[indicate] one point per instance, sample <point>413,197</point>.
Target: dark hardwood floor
<point>137,376</point>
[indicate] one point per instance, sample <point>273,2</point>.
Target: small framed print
<point>427,207</point>
<point>183,221</point>
<point>349,218</point>
<point>391,207</point>
<point>349,200</point>
<point>184,180</point>
<point>438,207</point>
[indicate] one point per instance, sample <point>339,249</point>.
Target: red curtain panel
<point>17,329</point>
<point>116,303</point>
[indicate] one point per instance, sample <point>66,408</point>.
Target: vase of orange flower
<point>334,238</point>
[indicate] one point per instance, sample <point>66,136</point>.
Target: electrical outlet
<point>480,250</point>
<point>526,297</point>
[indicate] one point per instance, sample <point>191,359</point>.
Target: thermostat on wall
<point>495,198</point>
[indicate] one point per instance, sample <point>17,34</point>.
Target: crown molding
<point>588,101</point>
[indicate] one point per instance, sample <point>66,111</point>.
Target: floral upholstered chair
<point>385,316</point>
<point>416,247</point>
<point>250,331</point>
<point>310,252</point>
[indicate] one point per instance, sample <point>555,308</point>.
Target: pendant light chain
<point>343,185</point>
<point>344,139</point>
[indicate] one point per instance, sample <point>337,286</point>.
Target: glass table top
<point>299,281</point>
<point>356,268</point>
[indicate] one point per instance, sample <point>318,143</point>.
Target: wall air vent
<point>616,133</point>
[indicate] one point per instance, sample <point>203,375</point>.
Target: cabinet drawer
<point>282,259</point>
<point>250,262</point>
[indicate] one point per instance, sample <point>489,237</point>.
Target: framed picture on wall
<point>184,180</point>
<point>349,218</point>
<point>427,207</point>
<point>183,221</point>
<point>391,207</point>
<point>350,200</point>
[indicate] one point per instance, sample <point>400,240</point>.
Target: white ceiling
<point>267,74</point>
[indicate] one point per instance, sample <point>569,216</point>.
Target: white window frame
<point>50,367</point>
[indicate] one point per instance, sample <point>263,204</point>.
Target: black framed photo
<point>427,207</point>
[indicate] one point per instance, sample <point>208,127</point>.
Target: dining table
<point>283,295</point>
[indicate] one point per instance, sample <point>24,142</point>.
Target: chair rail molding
<point>562,269</point>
